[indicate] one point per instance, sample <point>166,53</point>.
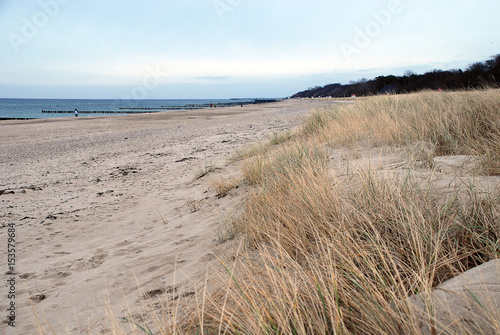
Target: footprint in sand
<point>38,297</point>
<point>185,295</point>
<point>153,293</point>
<point>129,249</point>
<point>56,275</point>
<point>152,268</point>
<point>207,257</point>
<point>93,262</point>
<point>190,241</point>
<point>26,275</point>
<point>122,244</point>
<point>159,291</point>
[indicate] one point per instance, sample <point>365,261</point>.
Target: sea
<point>32,108</point>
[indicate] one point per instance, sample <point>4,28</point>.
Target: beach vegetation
<point>223,187</point>
<point>263,147</point>
<point>328,253</point>
<point>204,170</point>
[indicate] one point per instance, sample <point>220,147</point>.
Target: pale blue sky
<point>230,48</point>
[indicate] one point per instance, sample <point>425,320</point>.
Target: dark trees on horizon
<point>477,75</point>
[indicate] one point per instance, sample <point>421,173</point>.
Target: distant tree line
<point>477,75</point>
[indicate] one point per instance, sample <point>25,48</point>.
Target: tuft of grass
<point>263,147</point>
<point>225,230</point>
<point>253,150</point>
<point>203,171</point>
<point>223,187</point>
<point>286,163</point>
<point>422,153</point>
<point>280,137</point>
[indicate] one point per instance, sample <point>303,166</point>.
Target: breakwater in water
<point>136,110</point>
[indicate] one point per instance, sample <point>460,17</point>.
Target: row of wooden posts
<point>135,110</point>
<point>122,111</point>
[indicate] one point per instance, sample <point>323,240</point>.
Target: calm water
<point>32,108</point>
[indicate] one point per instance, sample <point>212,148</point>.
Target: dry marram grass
<point>341,255</point>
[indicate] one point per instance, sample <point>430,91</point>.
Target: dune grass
<point>341,255</point>
<point>203,171</point>
<point>223,187</point>
<point>453,123</point>
<point>262,147</point>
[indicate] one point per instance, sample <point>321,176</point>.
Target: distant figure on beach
<point>76,112</point>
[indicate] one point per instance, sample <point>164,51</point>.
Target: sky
<point>183,49</point>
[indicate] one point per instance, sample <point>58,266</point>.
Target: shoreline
<point>14,109</point>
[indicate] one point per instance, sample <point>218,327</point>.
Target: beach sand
<point>105,205</point>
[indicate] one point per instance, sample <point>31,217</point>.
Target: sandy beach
<point>103,205</point>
